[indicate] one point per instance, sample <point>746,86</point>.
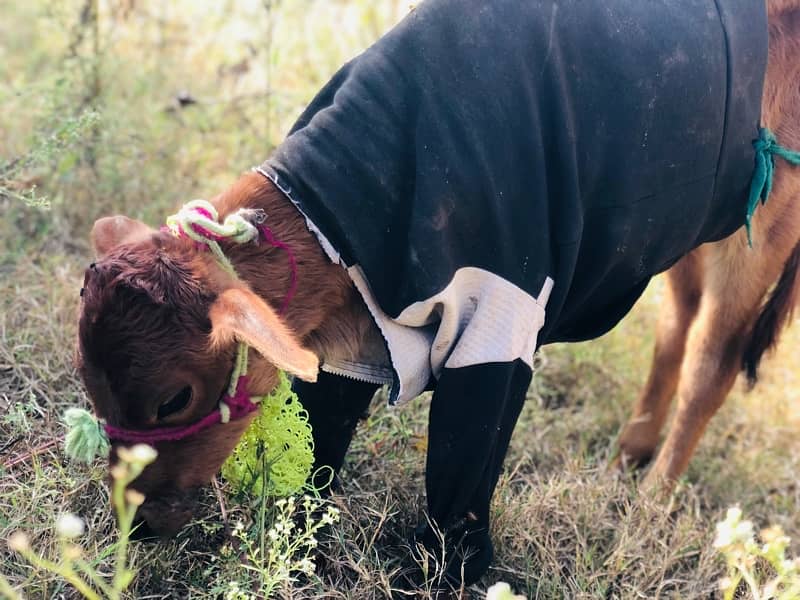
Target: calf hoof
<point>658,485</point>
<point>629,460</point>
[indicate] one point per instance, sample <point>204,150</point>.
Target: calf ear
<point>240,315</point>
<point>110,232</point>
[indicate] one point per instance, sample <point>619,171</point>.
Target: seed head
<point>19,541</point>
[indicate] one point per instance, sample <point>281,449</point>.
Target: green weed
<point>764,569</point>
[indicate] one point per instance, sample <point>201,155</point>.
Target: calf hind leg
<point>640,436</point>
<point>734,286</point>
<point>712,362</point>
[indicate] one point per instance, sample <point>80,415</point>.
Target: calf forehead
<point>143,313</point>
<point>128,358</point>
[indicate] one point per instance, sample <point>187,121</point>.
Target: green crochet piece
<point>278,438</point>
<point>85,437</point>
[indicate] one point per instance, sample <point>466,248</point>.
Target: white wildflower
<point>143,454</point>
<point>307,566</point>
<point>734,514</point>
<point>69,526</point>
<point>330,516</point>
<point>733,530</point>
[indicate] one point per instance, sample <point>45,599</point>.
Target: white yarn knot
<point>240,227</point>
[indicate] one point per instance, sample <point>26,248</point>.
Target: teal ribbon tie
<point>766,147</point>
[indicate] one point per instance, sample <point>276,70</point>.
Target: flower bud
<point>19,541</point>
<point>140,454</point>
<point>119,471</point>
<point>143,454</point>
<point>72,552</point>
<point>134,498</point>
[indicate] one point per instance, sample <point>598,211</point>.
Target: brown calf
<point>160,318</point>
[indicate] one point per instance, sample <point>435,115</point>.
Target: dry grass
<point>563,528</point>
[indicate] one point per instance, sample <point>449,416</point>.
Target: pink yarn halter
<point>230,407</point>
<point>239,404</point>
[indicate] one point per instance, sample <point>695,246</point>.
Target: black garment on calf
<point>591,142</point>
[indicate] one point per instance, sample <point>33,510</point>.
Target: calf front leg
<point>335,405</point>
<point>472,416</point>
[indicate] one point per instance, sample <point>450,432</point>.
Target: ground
<point>102,128</point>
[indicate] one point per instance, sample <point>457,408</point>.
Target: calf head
<point>158,328</point>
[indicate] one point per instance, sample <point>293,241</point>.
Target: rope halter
<point>198,220</point>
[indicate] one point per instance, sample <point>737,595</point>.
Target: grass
<point>562,526</point>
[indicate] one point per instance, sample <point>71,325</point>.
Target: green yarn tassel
<point>278,438</point>
<point>766,147</point>
<point>85,439</point>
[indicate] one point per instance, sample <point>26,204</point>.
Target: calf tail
<point>775,314</point>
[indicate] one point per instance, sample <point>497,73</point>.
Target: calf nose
<point>141,530</point>
<point>163,516</point>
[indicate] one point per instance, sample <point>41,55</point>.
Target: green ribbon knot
<point>766,147</point>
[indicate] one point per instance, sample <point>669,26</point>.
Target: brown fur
<point>157,315</point>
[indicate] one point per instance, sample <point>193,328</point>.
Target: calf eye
<point>177,403</point>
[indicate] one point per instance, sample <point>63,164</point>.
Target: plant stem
<point>125,514</point>
<point>263,507</point>
<point>6,589</point>
<point>751,582</point>
<point>98,582</point>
